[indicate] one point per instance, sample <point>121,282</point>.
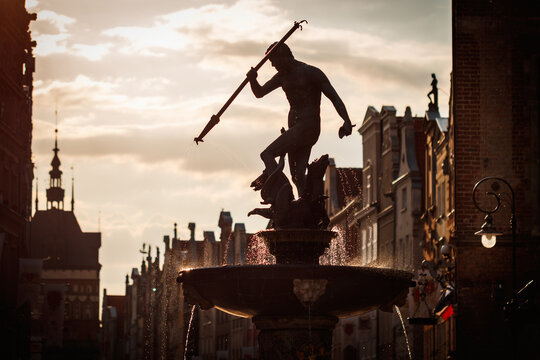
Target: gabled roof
<point>370,112</point>
<point>57,237</point>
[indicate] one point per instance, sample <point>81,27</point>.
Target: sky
<point>134,81</point>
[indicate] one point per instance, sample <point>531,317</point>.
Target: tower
<point>55,192</point>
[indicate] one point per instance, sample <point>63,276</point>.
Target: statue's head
<point>280,56</point>
<point>433,76</point>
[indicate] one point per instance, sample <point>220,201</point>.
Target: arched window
<point>76,309</point>
<point>87,310</point>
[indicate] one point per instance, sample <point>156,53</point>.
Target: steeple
<point>72,191</point>
<point>55,192</point>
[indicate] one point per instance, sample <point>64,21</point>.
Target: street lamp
<point>487,231</point>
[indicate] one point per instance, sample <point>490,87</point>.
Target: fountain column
<point>295,337</point>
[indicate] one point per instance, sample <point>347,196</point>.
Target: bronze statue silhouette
<point>303,85</point>
<point>434,91</point>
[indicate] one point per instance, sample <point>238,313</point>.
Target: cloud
<point>84,92</point>
<point>58,20</point>
<point>92,52</point>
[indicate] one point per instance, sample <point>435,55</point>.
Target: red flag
<point>446,312</point>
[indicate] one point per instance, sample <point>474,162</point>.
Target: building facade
<point>385,216</point>
<point>17,65</point>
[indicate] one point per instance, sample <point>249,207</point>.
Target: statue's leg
<point>278,147</point>
<point>298,162</point>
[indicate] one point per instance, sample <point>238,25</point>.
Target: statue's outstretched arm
<point>329,91</point>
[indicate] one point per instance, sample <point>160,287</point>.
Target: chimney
<point>191,227</point>
<point>167,242</point>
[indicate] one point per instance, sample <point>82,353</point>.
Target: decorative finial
<point>56,127</point>
<point>37,192</point>
<point>175,231</point>
<point>72,190</point>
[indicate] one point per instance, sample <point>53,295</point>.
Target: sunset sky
<point>135,81</point>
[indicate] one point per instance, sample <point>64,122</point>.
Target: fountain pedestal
<point>295,337</point>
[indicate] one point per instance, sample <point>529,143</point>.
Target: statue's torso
<point>302,87</point>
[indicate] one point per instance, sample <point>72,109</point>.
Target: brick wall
<point>496,127</point>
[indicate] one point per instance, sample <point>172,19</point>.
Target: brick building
<point>16,86</point>
<point>496,124</point>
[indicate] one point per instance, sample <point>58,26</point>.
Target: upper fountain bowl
<point>297,246</point>
<point>260,290</point>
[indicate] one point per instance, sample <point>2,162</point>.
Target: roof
<point>55,235</point>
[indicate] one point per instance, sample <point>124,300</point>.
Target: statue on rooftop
<point>434,91</point>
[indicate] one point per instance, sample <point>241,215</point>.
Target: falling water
<point>226,251</point>
<point>404,331</point>
<point>257,252</point>
<point>188,330</point>
<point>335,254</point>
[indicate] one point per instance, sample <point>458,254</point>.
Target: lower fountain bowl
<point>288,290</point>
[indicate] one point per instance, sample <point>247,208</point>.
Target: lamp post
<point>487,231</point>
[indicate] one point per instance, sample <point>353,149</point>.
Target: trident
<point>214,119</point>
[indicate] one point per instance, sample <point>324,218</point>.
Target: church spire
<point>72,190</point>
<point>55,192</point>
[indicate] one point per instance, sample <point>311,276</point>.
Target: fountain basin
<point>287,290</point>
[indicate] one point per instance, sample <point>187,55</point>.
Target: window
<point>399,258</point>
<point>77,310</point>
<point>364,247</point>
<point>406,253</point>
<point>67,310</point>
<point>369,245</point>
<point>443,198</point>
<point>374,242</point>
<point>404,198</point>
<point>87,312</point>
<point>368,190</point>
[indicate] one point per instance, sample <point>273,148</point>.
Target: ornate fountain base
<point>295,337</point>
<point>296,303</point>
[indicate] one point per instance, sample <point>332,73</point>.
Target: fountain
<point>296,302</point>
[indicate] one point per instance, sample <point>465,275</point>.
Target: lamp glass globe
<point>489,241</point>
